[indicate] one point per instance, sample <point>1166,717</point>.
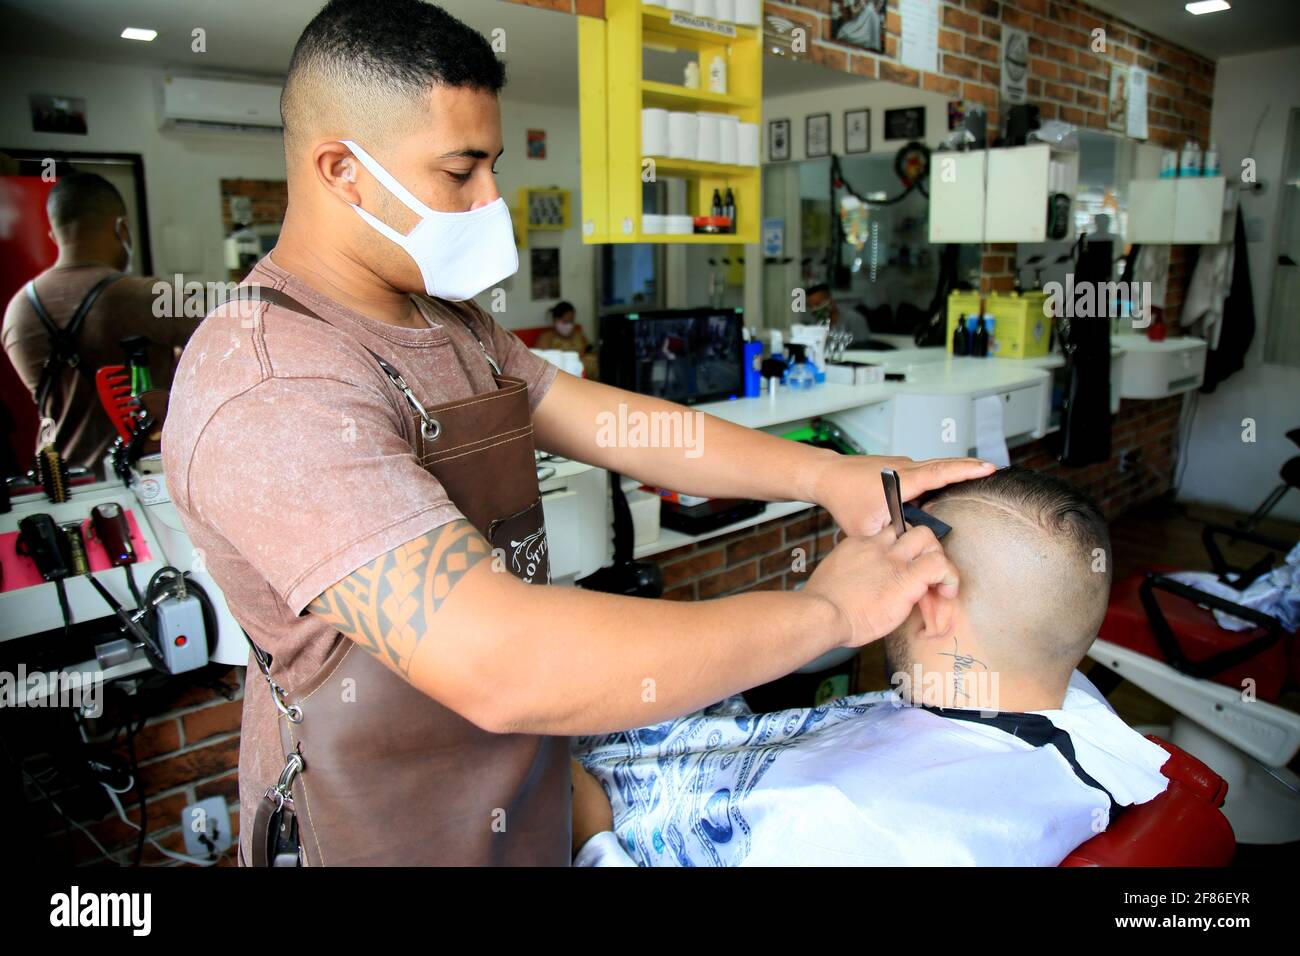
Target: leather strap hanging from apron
<point>378,773</point>
<point>63,341</point>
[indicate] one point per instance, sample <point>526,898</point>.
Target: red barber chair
<point>1181,827</point>
<point>1223,685</point>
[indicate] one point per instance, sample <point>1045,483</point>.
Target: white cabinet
<point>957,197</point>
<point>1191,210</point>
<point>1015,204</point>
<point>1009,204</point>
<point>934,421</point>
<point>1158,369</point>
<point>1199,209</point>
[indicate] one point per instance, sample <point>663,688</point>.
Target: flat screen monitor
<point>683,355</point>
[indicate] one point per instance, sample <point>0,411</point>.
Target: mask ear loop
<point>392,185</point>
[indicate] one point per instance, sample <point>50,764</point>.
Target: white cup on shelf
<point>749,13</point>
<point>654,3</point>
<point>710,143</point>
<point>654,132</point>
<point>683,135</point>
<point>653,224</point>
<point>729,142</point>
<point>726,11</point>
<point>682,6</point>
<point>706,8</point>
<point>680,225</point>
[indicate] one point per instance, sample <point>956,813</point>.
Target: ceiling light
<point>1207,6</point>
<point>138,33</point>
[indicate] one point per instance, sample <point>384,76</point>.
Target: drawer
<point>1021,410</point>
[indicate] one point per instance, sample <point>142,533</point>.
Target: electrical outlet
<point>1128,460</point>
<point>206,826</point>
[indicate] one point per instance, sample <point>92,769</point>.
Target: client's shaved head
<point>1034,557</point>
<point>362,69</point>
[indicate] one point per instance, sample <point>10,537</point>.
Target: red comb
<point>113,383</point>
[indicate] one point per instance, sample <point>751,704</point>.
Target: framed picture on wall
<point>860,23</point>
<point>906,123</point>
<point>778,140</point>
<point>857,131</point>
<point>817,135</point>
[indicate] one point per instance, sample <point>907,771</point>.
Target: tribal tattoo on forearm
<point>388,605</point>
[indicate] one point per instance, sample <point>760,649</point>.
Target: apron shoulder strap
<point>264,293</point>
<point>63,341</point>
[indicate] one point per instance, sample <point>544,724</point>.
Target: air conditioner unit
<point>216,105</point>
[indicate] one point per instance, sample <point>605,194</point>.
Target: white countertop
<point>1140,343</point>
<point>933,375</point>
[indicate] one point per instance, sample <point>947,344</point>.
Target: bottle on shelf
<point>729,208</point>
<point>979,340</point>
<point>960,340</point>
<point>1211,167</point>
<point>718,75</point>
<point>716,208</point>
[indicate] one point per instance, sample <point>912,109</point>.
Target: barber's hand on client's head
<point>849,486</point>
<point>874,582</point>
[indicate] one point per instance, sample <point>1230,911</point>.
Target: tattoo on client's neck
<point>962,667</point>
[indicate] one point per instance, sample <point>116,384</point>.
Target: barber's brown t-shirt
<point>83,432</point>
<point>288,453</point>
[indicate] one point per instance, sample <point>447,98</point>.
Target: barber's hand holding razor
<point>874,582</point>
<point>849,485</point>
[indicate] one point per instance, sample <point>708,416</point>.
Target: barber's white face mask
<point>459,253</point>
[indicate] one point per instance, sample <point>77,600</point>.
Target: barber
<point>353,457</point>
<point>71,319</point>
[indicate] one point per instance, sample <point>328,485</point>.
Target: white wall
<point>183,170</point>
<point>559,168</point>
<point>1221,469</point>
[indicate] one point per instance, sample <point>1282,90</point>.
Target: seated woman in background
<point>567,336</point>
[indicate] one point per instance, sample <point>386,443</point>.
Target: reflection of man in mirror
<point>860,22</point>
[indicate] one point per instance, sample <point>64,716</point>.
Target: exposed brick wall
<point>270,200</point>
<point>1068,79</point>
<point>187,751</point>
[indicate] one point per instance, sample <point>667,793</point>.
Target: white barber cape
<point>866,781</point>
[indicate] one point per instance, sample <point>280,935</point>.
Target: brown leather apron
<point>376,772</point>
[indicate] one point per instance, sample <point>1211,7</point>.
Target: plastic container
<point>800,376</point>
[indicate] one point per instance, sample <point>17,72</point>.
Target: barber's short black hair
<point>818,289</point>
<point>86,199</point>
<point>399,46</point>
<point>562,308</point>
<point>1056,505</point>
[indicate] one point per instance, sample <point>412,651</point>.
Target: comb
<point>113,383</point>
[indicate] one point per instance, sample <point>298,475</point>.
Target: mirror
<point>845,139</point>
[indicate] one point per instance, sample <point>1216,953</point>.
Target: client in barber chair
<point>991,749</point>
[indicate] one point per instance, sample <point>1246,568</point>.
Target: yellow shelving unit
<point>613,93</point>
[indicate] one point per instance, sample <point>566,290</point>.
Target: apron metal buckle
<point>282,793</point>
